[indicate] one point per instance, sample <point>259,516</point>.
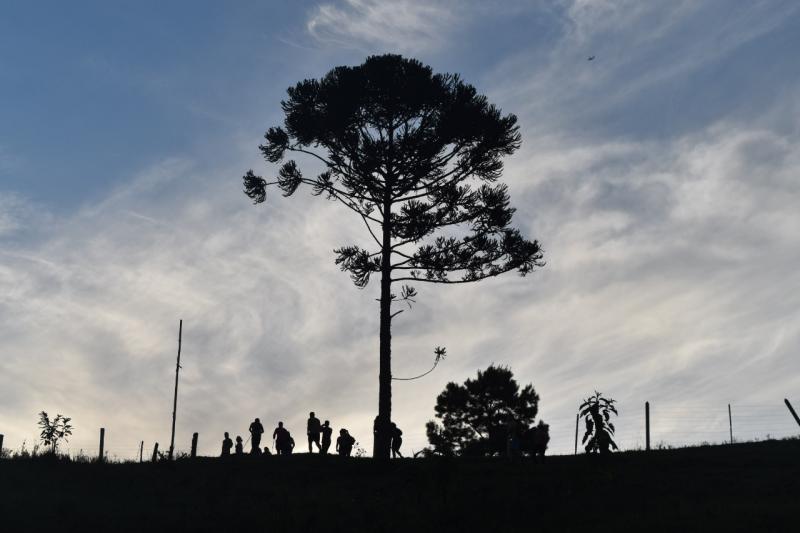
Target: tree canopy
<point>476,417</point>
<point>417,156</point>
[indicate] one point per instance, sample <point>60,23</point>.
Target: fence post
<point>155,453</point>
<point>141,451</point>
<point>102,444</point>
<point>730,422</point>
<point>194,445</point>
<point>1,445</point>
<point>791,410</point>
<point>647,426</point>
<point>577,418</point>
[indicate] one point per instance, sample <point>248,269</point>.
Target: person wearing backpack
<point>345,442</point>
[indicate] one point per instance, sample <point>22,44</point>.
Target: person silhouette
<point>289,446</point>
<point>239,446</point>
<point>227,444</point>
<point>266,451</point>
<point>327,430</point>
<point>397,441</point>
<point>256,429</point>
<point>281,438</point>
<point>313,430</point>
<point>344,443</point>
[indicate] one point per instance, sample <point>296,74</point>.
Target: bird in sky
<point>590,58</point>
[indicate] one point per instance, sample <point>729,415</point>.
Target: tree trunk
<point>383,422</point>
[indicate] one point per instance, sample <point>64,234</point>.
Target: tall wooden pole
<point>141,451</point>
<point>175,401</point>
<point>730,422</point>
<point>577,418</point>
<point>791,410</point>
<point>102,444</point>
<point>647,426</point>
<point>194,445</point>
<point>1,445</point>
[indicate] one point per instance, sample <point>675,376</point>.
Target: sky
<point>662,179</point>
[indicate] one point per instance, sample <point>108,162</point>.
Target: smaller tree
<point>599,436</point>
<point>476,416</point>
<point>54,430</point>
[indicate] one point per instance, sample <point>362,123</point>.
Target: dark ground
<point>744,487</point>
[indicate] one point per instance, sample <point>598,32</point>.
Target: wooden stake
<point>577,419</point>
<point>175,401</point>
<point>155,453</point>
<point>102,443</point>
<point>647,426</point>
<point>194,445</point>
<point>141,451</point>
<point>791,410</point>
<point>730,422</point>
<point>1,445</point>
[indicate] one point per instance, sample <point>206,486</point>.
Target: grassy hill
<point>744,487</point>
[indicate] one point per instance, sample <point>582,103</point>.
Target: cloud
<point>406,26</point>
<point>649,72</point>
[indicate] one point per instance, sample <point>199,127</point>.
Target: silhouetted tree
<point>596,410</point>
<point>54,430</point>
<point>475,416</point>
<point>417,157</point>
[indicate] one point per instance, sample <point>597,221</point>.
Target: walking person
<point>256,429</point>
<point>327,430</point>
<point>397,441</point>
<point>227,444</point>
<point>313,430</point>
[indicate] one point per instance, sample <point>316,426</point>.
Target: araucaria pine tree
<point>417,156</point>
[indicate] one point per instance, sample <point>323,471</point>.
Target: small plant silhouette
<point>54,430</point>
<point>359,451</point>
<point>599,436</point>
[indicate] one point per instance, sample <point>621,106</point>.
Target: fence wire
<point>671,425</point>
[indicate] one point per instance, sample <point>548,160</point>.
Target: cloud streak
<point>406,25</point>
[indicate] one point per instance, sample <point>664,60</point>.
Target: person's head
<point>226,435</point>
<point>280,424</point>
<point>238,438</point>
<point>258,421</point>
<point>326,423</point>
<point>311,414</point>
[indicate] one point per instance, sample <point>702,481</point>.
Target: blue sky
<point>661,177</point>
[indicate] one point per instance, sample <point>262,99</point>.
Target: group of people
<point>319,434</point>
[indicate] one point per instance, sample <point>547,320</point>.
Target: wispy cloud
<point>404,25</point>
